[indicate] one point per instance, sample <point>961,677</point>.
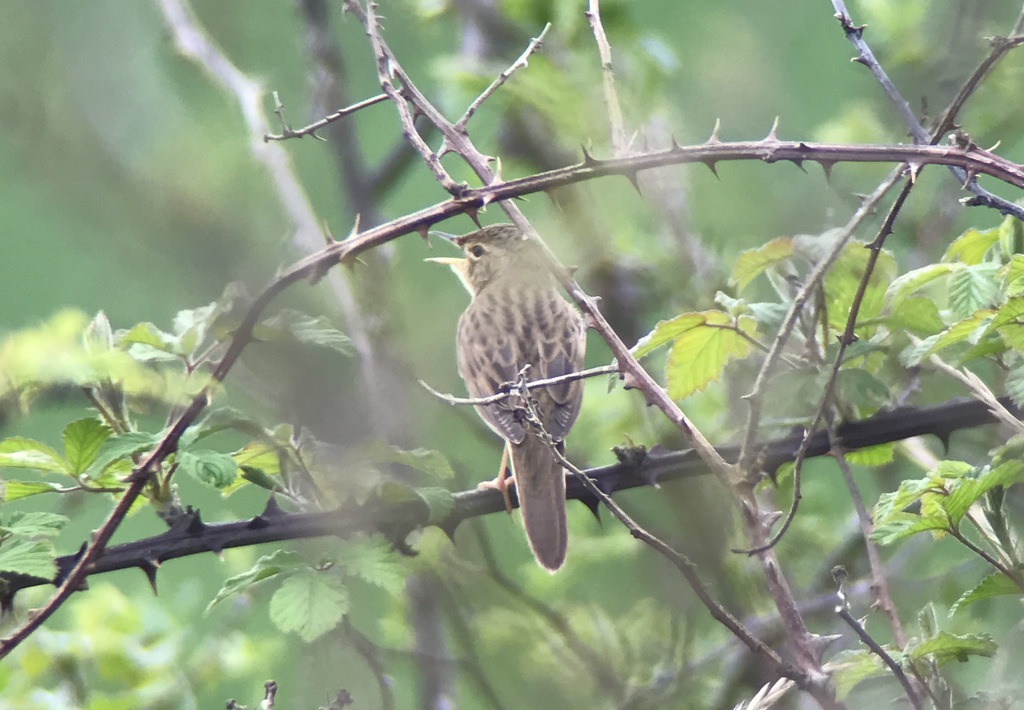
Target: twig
<point>611,96</point>
<point>980,391</point>
<point>843,610</point>
<point>879,582</point>
<point>517,389</point>
<point>520,63</point>
<point>920,135</point>
<point>310,130</point>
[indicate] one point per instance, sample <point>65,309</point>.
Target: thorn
<point>799,162</point>
<point>710,163</point>
<point>272,509</point>
<point>473,212</point>
<point>149,568</point>
<point>826,166</point>
<point>328,237</point>
<point>257,522</point>
<point>354,232</point>
<point>448,528</point>
<point>423,230</point>
<point>714,133</point>
<point>634,181</point>
<point>553,196</point>
<point>859,60</point>
<point>588,159</point>
<point>593,505</point>
<point>772,137</point>
<point>497,172</point>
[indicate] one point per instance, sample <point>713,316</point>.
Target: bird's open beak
<point>446,260</point>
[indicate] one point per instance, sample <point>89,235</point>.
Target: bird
<point>518,318</point>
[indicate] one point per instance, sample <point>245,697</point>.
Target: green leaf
<point>843,282</point>
<point>968,330</point>
<point>293,325</point>
<point>753,262</point>
<point>970,247</point>
<point>665,332</point>
<point>1012,274</point>
<point>1008,322</point>
<point>945,647</point>
<point>145,342</point>
<point>34,558</point>
<point>192,325</point>
<point>374,561</point>
<point>13,490</point>
<point>916,315</point>
<point>426,461</point>
<point>19,452</point>
<point>34,523</point>
<point>120,447</point>
<point>909,283</point>
<point>974,288</point>
<point>82,441</point>
<point>309,604</point>
<point>699,354</point>
<point>900,525</point>
<point>1011,237</point>
<point>218,420</point>
<point>851,667</point>
<point>259,477</point>
<point>965,491</point>
<point>996,584</point>
<point>878,455</point>
<point>439,501</point>
<point>281,561</point>
<point>208,466</point>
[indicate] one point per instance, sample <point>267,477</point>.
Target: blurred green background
<point>130,183</point>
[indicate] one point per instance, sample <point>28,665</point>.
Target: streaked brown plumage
<point>518,317</point>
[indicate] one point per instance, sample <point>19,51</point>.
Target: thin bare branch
<point>611,96</point>
<point>516,389</point>
<point>520,63</point>
<point>310,130</point>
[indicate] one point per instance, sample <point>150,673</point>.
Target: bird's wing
<point>486,362</point>
<point>562,353</point>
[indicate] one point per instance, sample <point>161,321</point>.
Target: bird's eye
<point>476,250</point>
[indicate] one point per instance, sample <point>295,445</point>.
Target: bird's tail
<point>540,485</point>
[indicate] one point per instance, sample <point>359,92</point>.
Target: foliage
<point>137,195</point>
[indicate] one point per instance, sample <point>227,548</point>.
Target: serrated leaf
<point>699,355</point>
<point>909,283</point>
<point>996,584</point>
<point>21,452</point>
<point>753,262</point>
<point>900,525</point>
<point>34,523</point>
<point>971,246</point>
<point>151,337</point>
<point>1012,275</point>
<point>843,282</point>
<point>119,447</point>
<point>303,328</point>
<point>1011,237</point>
<point>916,315</point>
<point>439,501</point>
<point>426,461</point>
<point>192,325</point>
<point>967,330</point>
<point>34,558</point>
<point>964,492</point>
<point>665,332</point>
<point>374,561</point>
<point>851,667</point>
<point>267,566</point>
<point>974,288</point>
<point>82,441</point>
<point>878,455</point>
<point>944,647</point>
<point>14,490</point>
<point>309,604</point>
<point>213,467</point>
<point>1008,322</point>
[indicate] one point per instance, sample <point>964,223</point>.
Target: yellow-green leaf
<point>753,262</point>
<point>700,354</point>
